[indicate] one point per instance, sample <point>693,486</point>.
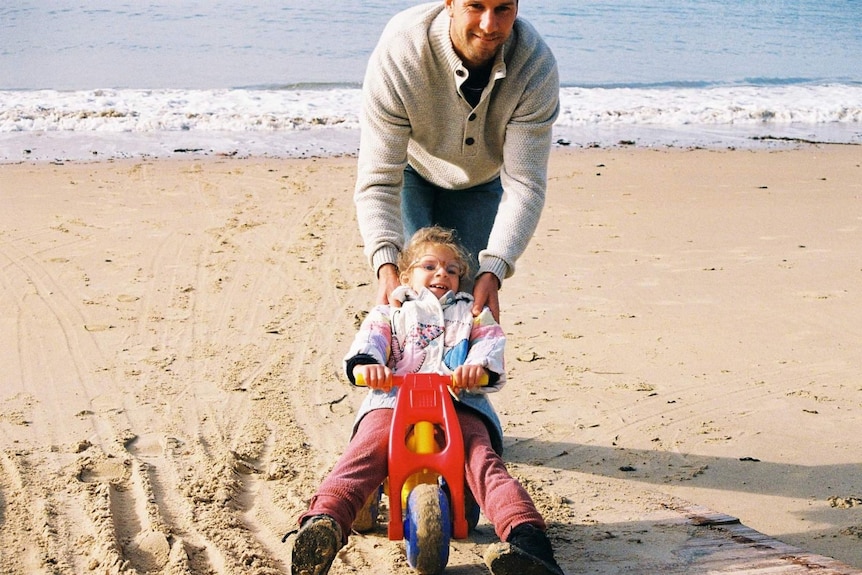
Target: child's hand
<point>469,377</point>
<point>375,376</point>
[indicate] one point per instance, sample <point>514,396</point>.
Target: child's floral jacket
<point>427,335</point>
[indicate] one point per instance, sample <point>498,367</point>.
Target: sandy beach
<point>684,332</point>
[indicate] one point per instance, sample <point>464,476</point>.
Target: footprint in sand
<point>105,471</point>
<point>149,551</point>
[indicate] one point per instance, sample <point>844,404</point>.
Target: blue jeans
<point>470,212</point>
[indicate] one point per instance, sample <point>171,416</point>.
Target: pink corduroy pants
<point>363,467</point>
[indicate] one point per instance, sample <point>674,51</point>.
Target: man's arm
<point>526,151</point>
<point>384,135</point>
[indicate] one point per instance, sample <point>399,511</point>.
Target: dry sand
<point>685,329</point>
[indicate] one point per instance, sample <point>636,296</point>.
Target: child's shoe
<point>315,546</point>
<point>366,519</point>
<point>527,551</point>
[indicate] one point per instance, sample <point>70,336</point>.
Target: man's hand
<point>374,375</point>
<point>485,294</point>
<point>387,281</point>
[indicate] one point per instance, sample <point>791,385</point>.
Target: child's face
<point>437,269</point>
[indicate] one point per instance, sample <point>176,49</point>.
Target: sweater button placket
<point>470,148</point>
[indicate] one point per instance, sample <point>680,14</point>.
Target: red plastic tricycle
<point>426,485</point>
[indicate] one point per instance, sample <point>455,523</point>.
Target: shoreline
<point>333,142</point>
<point>684,327</point>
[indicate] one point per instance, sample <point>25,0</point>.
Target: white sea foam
<point>287,122</point>
<point>727,105</point>
<point>168,110</point>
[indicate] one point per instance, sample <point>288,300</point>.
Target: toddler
<point>433,331</point>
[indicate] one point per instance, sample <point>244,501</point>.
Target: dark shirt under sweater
<point>475,84</point>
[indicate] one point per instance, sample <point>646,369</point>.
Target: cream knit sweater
<point>413,111</point>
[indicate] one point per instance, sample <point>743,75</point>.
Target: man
<point>459,100</point>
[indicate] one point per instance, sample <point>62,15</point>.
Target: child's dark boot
<point>315,546</point>
<point>527,551</point>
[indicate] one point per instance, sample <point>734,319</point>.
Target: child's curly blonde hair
<point>432,236</point>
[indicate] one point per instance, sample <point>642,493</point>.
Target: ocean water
<point>80,78</point>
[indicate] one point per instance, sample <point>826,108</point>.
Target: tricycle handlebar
<point>399,379</point>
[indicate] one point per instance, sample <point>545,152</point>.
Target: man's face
<point>478,28</point>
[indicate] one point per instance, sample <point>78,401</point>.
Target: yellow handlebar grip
<point>359,380</point>
<point>483,380</point>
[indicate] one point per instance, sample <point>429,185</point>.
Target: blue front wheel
<point>427,529</point>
